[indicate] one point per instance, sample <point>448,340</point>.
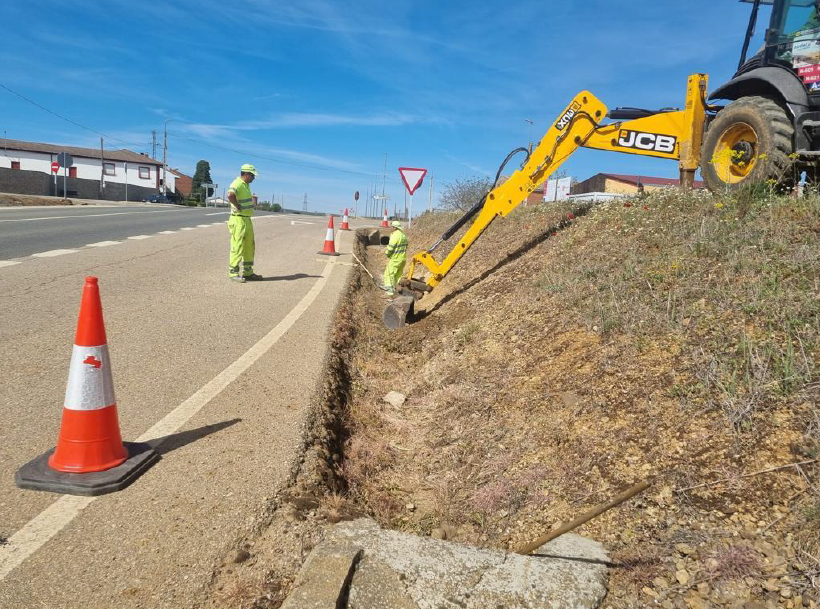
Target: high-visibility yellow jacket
<point>243,197</point>
<point>397,247</point>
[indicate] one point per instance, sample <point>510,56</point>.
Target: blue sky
<point>315,92</point>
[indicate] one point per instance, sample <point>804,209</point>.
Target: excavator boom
<point>674,135</point>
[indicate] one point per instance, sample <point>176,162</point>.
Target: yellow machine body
<point>674,135</point>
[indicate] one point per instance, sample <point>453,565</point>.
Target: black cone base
<point>38,476</point>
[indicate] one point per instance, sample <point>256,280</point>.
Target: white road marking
<point>138,237</point>
<point>204,225</point>
<point>219,213</point>
<point>102,244</point>
<point>187,228</point>
<point>217,224</point>
<point>118,213</point>
<point>52,253</point>
<point>166,232</point>
<point>9,262</point>
<point>37,531</point>
<point>295,222</point>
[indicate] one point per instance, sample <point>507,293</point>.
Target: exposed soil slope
<point>673,337</point>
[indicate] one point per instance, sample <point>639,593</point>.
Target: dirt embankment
<point>673,338</point>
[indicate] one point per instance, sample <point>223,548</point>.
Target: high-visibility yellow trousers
<point>393,270</point>
<point>242,245</point>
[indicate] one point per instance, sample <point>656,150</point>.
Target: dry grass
<point>737,278</point>
<point>733,561</point>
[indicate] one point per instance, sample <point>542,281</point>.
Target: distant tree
<point>462,193</point>
<point>202,175</point>
<point>276,207</point>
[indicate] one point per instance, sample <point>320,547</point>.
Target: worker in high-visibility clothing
<point>396,253</point>
<point>241,227</point>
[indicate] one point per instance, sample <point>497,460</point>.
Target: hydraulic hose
<point>477,207</point>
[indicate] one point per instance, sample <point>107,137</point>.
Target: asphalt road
<point>219,374</point>
<point>25,231</point>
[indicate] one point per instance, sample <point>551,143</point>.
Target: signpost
<point>412,178</point>
<point>55,168</point>
<point>356,205</point>
<point>65,161</point>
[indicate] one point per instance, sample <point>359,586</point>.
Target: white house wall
<point>87,168</point>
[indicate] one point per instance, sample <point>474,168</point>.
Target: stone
<point>695,601</point>
<point>240,556</point>
<point>410,572</point>
<point>682,576</point>
<point>395,399</point>
<point>649,592</point>
<point>684,549</point>
<point>438,533</point>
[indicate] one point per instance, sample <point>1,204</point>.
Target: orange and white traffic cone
<point>330,241</point>
<point>385,223</point>
<point>89,445</point>
<point>345,225</point>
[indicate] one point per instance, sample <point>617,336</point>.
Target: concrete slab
<point>325,578</point>
<point>409,572</point>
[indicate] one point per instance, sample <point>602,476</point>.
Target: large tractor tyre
<point>749,141</point>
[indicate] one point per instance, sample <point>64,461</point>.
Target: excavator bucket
<point>399,312</point>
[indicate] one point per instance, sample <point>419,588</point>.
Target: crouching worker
<point>396,253</point>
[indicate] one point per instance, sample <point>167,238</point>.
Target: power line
<point>68,120</point>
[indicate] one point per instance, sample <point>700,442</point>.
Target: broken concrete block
<point>424,573</point>
<point>325,577</point>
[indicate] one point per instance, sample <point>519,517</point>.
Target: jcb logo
<point>567,117</point>
<point>647,141</point>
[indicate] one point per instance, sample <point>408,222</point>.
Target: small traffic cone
<point>385,223</point>
<point>330,241</point>
<point>345,225</point>
<point>90,457</point>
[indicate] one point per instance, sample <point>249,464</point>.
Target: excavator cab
<point>769,130</point>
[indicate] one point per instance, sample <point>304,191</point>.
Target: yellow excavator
<point>769,130</point>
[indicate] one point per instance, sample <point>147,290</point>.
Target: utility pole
<point>304,205</point>
<point>165,155</point>
<point>430,197</point>
<point>384,173</point>
<point>102,170</point>
<point>154,144</point>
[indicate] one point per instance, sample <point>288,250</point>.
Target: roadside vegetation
<point>574,352</point>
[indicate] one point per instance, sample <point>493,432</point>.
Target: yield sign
<point>412,177</point>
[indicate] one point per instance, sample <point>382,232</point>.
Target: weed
<point>467,334</point>
<point>734,561</point>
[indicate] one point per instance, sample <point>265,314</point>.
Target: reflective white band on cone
<point>90,383</point>
<point>329,235</point>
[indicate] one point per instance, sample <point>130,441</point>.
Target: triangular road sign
<point>412,177</point>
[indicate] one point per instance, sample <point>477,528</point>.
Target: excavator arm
<point>674,135</point>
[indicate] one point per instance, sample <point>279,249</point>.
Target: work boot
<point>237,278</point>
<point>253,277</point>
